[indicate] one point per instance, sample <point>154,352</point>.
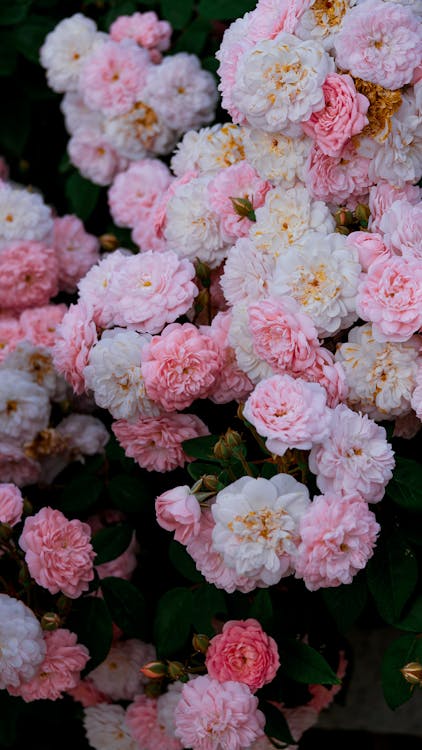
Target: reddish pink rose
<point>59,553</point>
<point>342,179</point>
<point>60,671</point>
<point>344,115</point>
<point>28,275</point>
<point>10,334</point>
<point>87,694</point>
<point>243,652</point>
<point>76,335</point>
<point>178,510</point>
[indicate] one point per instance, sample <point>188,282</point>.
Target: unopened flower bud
<point>244,208</point>
<point>344,218</point>
<point>201,300</point>
<point>362,214</point>
<point>200,642</point>
<point>154,670</point>
<point>210,482</point>
<point>226,446</point>
<point>176,670</point>
<point>50,621</point>
<point>109,242</point>
<point>203,273</point>
<point>412,673</point>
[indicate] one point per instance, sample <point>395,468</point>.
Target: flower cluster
<point>122,100</point>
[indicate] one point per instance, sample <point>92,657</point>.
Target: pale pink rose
<point>94,288</point>
<point>390,297</point>
<point>92,154</point>
<point>11,504</point>
<point>28,275</point>
<point>243,652</point>
<point>344,115</point>
<point>289,413</point>
<point>87,694</point>
<point>145,28</point>
<point>135,192</point>
<point>160,211</point>
<point>180,366</point>
<point>211,563</point>
<point>58,552</point>
<point>10,334</point>
<point>76,250</point>
<point>145,236</point>
<point>383,195</point>
<point>282,334</point>
<point>342,179</point>
<point>370,247</point>
<point>380,42</point>
<point>156,443</point>
<point>231,383</point>
<point>329,374</point>
<point>355,457</point>
<point>15,466</point>
<point>272,16</point>
<point>144,726</point>
<point>75,336</point>
<point>39,325</point>
<point>59,672</point>
<point>236,41</point>
<point>236,181</point>
<point>178,510</point>
<point>338,535</point>
<point>113,77</point>
<point>212,715</point>
<point>401,225</point>
<point>152,289</point>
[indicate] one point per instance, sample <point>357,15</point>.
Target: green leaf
<point>126,605</point>
<point>8,54</point>
<point>412,619</point>
<point>183,563</point>
<point>269,470</point>
<point>115,452</point>
<point>276,725</point>
<point>129,493</point>
<point>194,37</point>
<point>202,447</point>
<point>172,624</point>
<point>210,63</point>
<point>9,713</point>
<point>392,574</point>
<point>13,11</point>
<point>345,603</point>
<point>262,608</point>
<point>405,488</point>
<point>111,542</point>
<point>30,36</point>
<point>198,469</point>
<point>15,123</point>
<point>82,195</point>
<point>224,10</point>
<point>208,601</point>
<point>399,653</point>
<point>79,495</point>
<point>177,12</point>
<point>91,621</point>
<point>304,664</point>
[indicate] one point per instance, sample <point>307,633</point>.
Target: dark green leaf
<point>82,195</point>
<point>115,452</point>
<point>15,123</point>
<point>8,53</point>
<point>123,8</point>
<point>412,619</point>
<point>202,447</point>
<point>262,608</point>
<point>208,601</point>
<point>173,621</point>
<point>304,664</point>
<point>13,11</point>
<point>129,494</point>
<point>210,63</point>
<point>177,12</point>
<point>92,623</point>
<point>276,725</point>
<point>399,653</point>
<point>183,562</point>
<point>9,714</point>
<point>392,574</point>
<point>223,10</point>
<point>197,469</point>
<point>30,36</point>
<point>346,602</point>
<point>79,495</point>
<point>111,542</point>
<point>126,605</point>
<point>194,37</point>
<point>405,488</point>
<point>269,470</point>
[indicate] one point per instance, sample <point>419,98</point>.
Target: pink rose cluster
<point>122,100</point>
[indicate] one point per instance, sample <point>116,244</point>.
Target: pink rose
<point>341,179</point>
<point>11,504</point>
<point>370,247</point>
<point>344,115</point>
<point>178,510</point>
<point>243,652</point>
<point>28,275</point>
<point>59,553</point>
<point>76,335</point>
